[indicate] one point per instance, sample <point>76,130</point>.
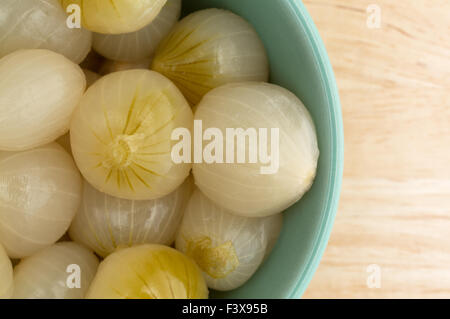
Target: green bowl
<point>299,63</point>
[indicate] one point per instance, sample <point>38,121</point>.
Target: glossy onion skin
<point>116,16</point>
<point>40,24</point>
<point>242,188</point>
<point>227,248</point>
<point>121,135</point>
<point>210,48</point>
<point>64,140</point>
<point>139,45</point>
<point>38,94</point>
<point>40,192</point>
<point>105,223</point>
<point>148,272</point>
<point>6,275</point>
<point>45,274</point>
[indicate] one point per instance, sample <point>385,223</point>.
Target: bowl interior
<point>300,64</point>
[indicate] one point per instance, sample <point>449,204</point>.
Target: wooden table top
<point>394,211</point>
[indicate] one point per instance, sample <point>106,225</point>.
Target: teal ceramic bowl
<point>299,63</point>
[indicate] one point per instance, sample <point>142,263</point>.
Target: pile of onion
<point>93,203</point>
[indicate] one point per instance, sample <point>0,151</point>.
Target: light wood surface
<point>395,206</point>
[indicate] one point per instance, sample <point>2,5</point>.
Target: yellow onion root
<point>121,135</point>
<point>210,48</point>
<point>227,248</point>
<point>148,272</point>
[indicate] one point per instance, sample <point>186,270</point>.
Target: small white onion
<point>40,192</point>
<point>121,135</point>
<point>52,273</point>
<point>210,48</point>
<point>40,24</point>
<point>110,66</point>
<point>105,223</point>
<point>39,90</point>
<point>148,272</point>
<point>227,248</point>
<point>139,45</point>
<point>6,275</point>
<point>116,16</point>
<point>242,188</point>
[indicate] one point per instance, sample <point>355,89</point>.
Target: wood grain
<point>395,206</point>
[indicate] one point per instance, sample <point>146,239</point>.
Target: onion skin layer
<point>227,248</point>
<point>139,45</point>
<point>52,266</point>
<point>210,48</point>
<point>38,94</point>
<point>6,275</point>
<point>240,187</point>
<point>104,223</point>
<point>148,272</point>
<point>40,24</point>
<point>40,192</point>
<point>116,16</point>
<point>121,135</point>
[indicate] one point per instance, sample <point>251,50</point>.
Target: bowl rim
<point>337,146</point>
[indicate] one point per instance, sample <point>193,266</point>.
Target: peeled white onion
<point>121,135</point>
<point>56,273</point>
<point>110,66</point>
<point>210,48</point>
<point>40,24</point>
<point>227,248</point>
<point>139,45</point>
<point>116,16</point>
<point>6,275</point>
<point>104,223</point>
<point>245,188</point>
<point>39,90</point>
<point>148,272</point>
<point>40,192</point>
